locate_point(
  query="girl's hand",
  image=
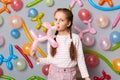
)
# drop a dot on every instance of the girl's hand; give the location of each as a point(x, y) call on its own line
point(87, 78)
point(34, 56)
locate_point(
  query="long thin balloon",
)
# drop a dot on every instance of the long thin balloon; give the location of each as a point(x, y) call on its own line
point(102, 57)
point(115, 47)
point(33, 3)
point(24, 55)
point(102, 8)
point(117, 19)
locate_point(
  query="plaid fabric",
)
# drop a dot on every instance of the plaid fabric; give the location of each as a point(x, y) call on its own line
point(56, 73)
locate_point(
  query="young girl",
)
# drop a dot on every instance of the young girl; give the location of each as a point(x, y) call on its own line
point(64, 59)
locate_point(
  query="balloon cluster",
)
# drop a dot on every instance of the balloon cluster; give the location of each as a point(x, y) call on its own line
point(103, 77)
point(85, 16)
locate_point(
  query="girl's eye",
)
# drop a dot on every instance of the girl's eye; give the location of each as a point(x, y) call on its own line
point(61, 20)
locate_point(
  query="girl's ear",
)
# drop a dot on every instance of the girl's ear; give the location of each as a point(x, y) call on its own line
point(69, 23)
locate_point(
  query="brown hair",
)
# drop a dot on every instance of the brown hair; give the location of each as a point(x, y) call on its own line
point(72, 47)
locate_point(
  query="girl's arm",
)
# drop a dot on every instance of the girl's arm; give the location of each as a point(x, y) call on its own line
point(80, 59)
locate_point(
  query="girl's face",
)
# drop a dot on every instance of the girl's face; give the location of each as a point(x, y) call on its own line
point(61, 21)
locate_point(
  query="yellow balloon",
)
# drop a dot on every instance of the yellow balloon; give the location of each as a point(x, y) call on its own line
point(26, 48)
point(116, 64)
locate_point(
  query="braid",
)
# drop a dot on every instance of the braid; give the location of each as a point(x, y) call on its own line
point(73, 53)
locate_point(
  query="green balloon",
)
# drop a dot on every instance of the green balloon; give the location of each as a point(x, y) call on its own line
point(49, 2)
point(1, 20)
point(20, 64)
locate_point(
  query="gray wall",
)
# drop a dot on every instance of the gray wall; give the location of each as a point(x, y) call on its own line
point(48, 17)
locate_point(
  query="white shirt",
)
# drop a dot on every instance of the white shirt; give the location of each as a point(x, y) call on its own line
point(62, 57)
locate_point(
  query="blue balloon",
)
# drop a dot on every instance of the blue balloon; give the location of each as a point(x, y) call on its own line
point(32, 12)
point(115, 37)
point(15, 33)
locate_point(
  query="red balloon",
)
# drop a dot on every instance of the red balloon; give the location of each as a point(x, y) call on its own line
point(45, 69)
point(91, 60)
point(1, 71)
point(16, 5)
point(84, 14)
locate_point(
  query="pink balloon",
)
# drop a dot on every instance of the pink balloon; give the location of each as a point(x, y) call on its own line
point(84, 14)
point(105, 43)
point(91, 60)
point(88, 39)
point(15, 21)
point(41, 38)
point(45, 69)
point(16, 4)
point(102, 21)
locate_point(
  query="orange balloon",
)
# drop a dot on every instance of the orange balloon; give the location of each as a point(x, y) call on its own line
point(116, 64)
point(26, 48)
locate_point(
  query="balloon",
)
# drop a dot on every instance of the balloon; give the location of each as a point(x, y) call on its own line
point(91, 60)
point(1, 71)
point(24, 55)
point(15, 33)
point(5, 2)
point(32, 12)
point(117, 19)
point(116, 64)
point(8, 60)
point(42, 38)
point(2, 41)
point(88, 39)
point(33, 3)
point(79, 2)
point(15, 21)
point(102, 21)
point(38, 18)
point(1, 20)
point(26, 48)
point(20, 64)
point(104, 76)
point(35, 78)
point(45, 69)
point(16, 4)
point(105, 43)
point(115, 37)
point(30, 38)
point(5, 77)
point(49, 2)
point(101, 2)
point(84, 14)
